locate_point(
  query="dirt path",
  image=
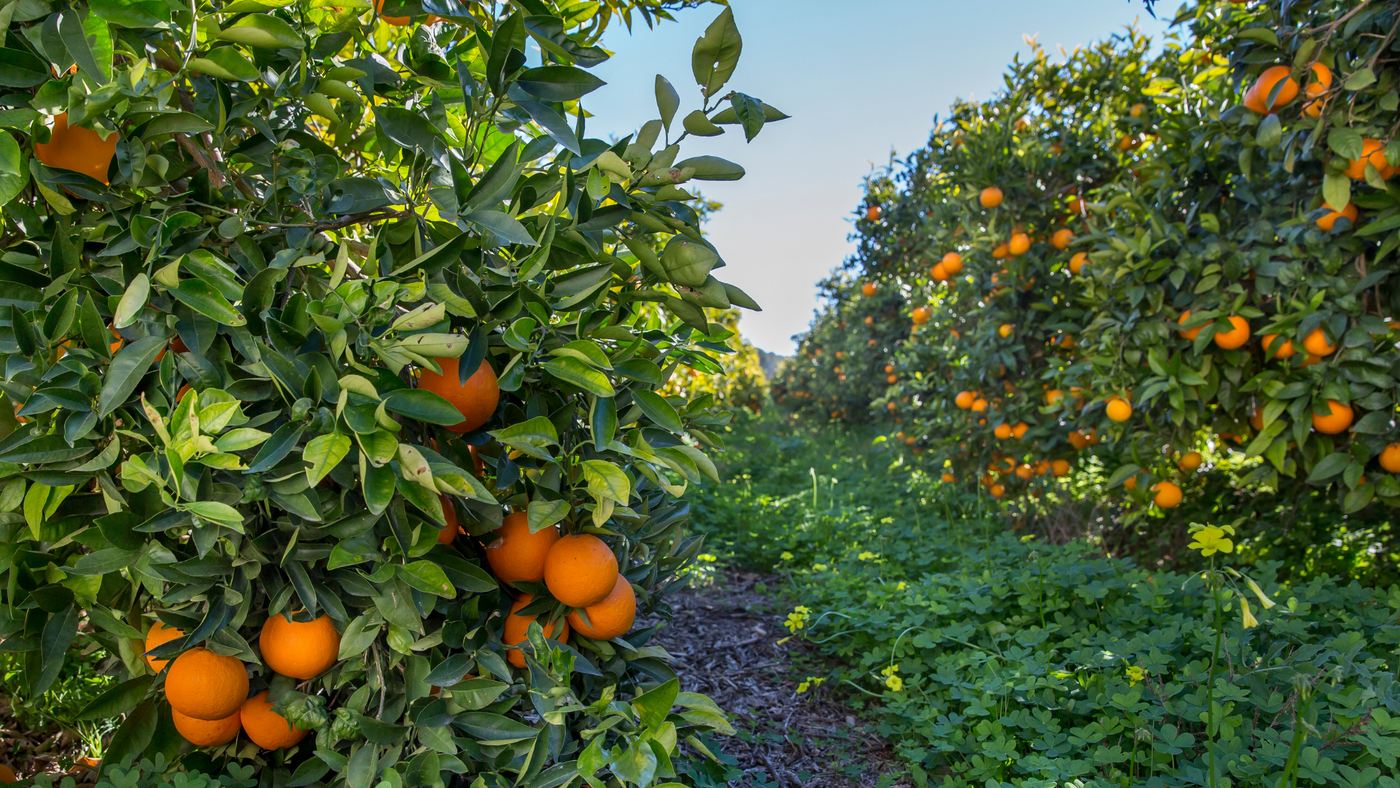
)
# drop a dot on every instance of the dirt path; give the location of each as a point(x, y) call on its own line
point(724, 644)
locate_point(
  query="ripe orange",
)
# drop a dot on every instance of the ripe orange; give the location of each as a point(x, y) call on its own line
point(1373, 153)
point(268, 729)
point(1316, 343)
point(77, 149)
point(160, 634)
point(990, 197)
point(7, 775)
point(1256, 419)
point(1168, 495)
point(1020, 244)
point(1189, 333)
point(1337, 419)
point(979, 405)
point(1322, 81)
point(1119, 410)
point(1326, 222)
point(207, 733)
point(580, 570)
point(1131, 484)
point(1189, 461)
point(1137, 110)
point(1281, 350)
point(449, 513)
point(964, 399)
point(1257, 98)
point(998, 491)
point(939, 273)
point(872, 213)
point(1077, 263)
point(1078, 440)
point(921, 316)
point(1000, 252)
point(611, 617)
point(1128, 142)
point(517, 555)
point(1019, 431)
point(952, 263)
point(301, 650)
point(1053, 397)
point(516, 628)
point(1005, 330)
point(1023, 471)
point(891, 379)
point(870, 321)
point(1236, 336)
point(205, 685)
point(396, 21)
point(889, 368)
point(1002, 431)
point(1062, 238)
point(476, 400)
point(948, 477)
point(1060, 467)
point(1390, 458)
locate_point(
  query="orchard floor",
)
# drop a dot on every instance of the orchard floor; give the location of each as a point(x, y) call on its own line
point(724, 641)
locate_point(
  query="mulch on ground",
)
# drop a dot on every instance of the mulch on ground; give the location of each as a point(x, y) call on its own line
point(724, 641)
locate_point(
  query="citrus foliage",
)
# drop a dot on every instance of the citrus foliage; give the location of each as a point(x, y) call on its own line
point(739, 383)
point(993, 658)
point(1155, 220)
point(298, 299)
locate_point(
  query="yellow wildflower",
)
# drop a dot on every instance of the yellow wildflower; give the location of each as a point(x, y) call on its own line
point(797, 619)
point(818, 567)
point(1259, 592)
point(866, 556)
point(786, 556)
point(1135, 674)
point(1249, 620)
point(899, 587)
point(1211, 540)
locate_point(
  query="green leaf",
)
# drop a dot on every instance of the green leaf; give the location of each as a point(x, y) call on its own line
point(1360, 78)
point(89, 43)
point(324, 452)
point(125, 373)
point(226, 63)
point(503, 226)
point(428, 578)
point(116, 701)
point(132, 301)
point(407, 129)
point(131, 13)
point(696, 123)
point(262, 30)
point(1336, 190)
point(653, 705)
point(19, 69)
point(14, 176)
point(203, 298)
point(532, 437)
point(1345, 142)
point(176, 123)
point(360, 634)
point(712, 168)
point(422, 405)
point(1329, 466)
point(750, 113)
point(1376, 422)
point(278, 446)
point(658, 410)
point(57, 636)
point(667, 100)
point(216, 512)
point(558, 83)
point(543, 514)
point(606, 481)
point(493, 729)
point(575, 372)
point(716, 53)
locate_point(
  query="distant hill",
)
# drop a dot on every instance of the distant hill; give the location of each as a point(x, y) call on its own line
point(769, 362)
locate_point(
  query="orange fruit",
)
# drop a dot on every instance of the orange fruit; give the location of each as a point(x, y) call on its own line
point(891, 379)
point(952, 263)
point(205, 685)
point(979, 405)
point(517, 555)
point(1023, 471)
point(1326, 222)
point(476, 400)
point(1189, 461)
point(207, 733)
point(610, 618)
point(921, 316)
point(1020, 244)
point(868, 288)
point(1078, 440)
point(1076, 205)
point(1256, 419)
point(1077, 263)
point(1128, 142)
point(1000, 252)
point(1373, 153)
point(160, 634)
point(1053, 397)
point(1019, 431)
point(1189, 333)
point(939, 273)
point(268, 729)
point(516, 628)
point(964, 399)
point(990, 197)
point(449, 513)
point(1006, 330)
point(1280, 350)
point(1236, 336)
point(1322, 76)
point(1131, 483)
point(1312, 359)
point(889, 368)
point(1002, 431)
point(301, 650)
point(1316, 343)
point(1062, 238)
point(77, 149)
point(998, 491)
point(870, 321)
point(396, 21)
point(947, 477)
point(1390, 458)
point(7, 775)
point(1060, 467)
point(1119, 410)
point(1257, 98)
point(872, 213)
point(1168, 495)
point(580, 570)
point(1337, 418)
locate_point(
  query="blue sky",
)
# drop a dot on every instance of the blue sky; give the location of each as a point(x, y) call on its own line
point(862, 79)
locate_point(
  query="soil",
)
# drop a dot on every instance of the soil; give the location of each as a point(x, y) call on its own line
point(724, 641)
point(30, 752)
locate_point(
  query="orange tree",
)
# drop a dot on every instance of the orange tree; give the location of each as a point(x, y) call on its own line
point(333, 343)
point(1177, 211)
